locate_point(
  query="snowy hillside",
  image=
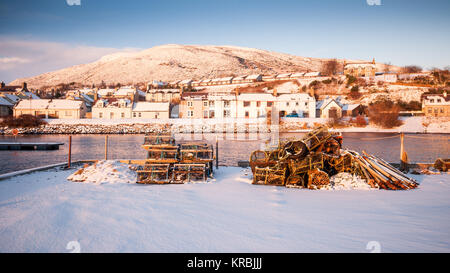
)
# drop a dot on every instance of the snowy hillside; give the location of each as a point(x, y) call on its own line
point(176, 62)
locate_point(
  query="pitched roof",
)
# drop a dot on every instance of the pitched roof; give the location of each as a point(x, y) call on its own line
point(3, 101)
point(49, 104)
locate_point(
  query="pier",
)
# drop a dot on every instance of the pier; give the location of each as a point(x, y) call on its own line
point(30, 145)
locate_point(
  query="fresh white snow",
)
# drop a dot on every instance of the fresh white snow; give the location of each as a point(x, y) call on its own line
point(43, 212)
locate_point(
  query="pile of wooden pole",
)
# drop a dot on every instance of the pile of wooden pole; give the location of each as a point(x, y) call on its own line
point(380, 174)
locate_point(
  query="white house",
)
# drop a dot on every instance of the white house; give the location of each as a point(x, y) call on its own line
point(112, 109)
point(53, 108)
point(328, 108)
point(154, 110)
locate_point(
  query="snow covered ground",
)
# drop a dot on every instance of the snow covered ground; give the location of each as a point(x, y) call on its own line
point(43, 212)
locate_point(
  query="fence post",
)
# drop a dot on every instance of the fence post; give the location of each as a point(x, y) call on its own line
point(217, 152)
point(70, 152)
point(106, 147)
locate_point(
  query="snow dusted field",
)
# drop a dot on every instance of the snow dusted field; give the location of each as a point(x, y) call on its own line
point(43, 212)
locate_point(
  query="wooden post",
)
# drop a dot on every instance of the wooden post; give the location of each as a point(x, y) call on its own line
point(403, 154)
point(70, 152)
point(217, 153)
point(106, 147)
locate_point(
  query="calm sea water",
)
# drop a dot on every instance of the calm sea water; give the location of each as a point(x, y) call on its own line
point(234, 147)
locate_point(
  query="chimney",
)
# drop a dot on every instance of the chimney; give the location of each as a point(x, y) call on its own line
point(373, 61)
point(275, 92)
point(3, 84)
point(95, 95)
point(445, 94)
point(24, 86)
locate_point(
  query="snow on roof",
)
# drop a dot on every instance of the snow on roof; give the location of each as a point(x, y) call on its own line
point(49, 104)
point(253, 77)
point(125, 91)
point(12, 98)
point(239, 78)
point(349, 107)
point(5, 102)
point(362, 65)
point(256, 97)
point(150, 106)
point(285, 75)
point(186, 81)
point(312, 74)
point(205, 80)
point(296, 96)
point(300, 74)
point(105, 92)
point(87, 98)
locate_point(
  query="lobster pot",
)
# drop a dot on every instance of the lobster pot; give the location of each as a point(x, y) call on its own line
point(159, 140)
point(344, 163)
point(189, 172)
point(154, 174)
point(163, 155)
point(312, 161)
point(269, 176)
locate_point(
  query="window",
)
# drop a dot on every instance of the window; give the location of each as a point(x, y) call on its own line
point(435, 110)
point(205, 104)
point(258, 104)
point(190, 113)
point(226, 113)
point(100, 115)
point(431, 100)
point(211, 103)
point(306, 103)
point(438, 100)
point(269, 103)
point(122, 114)
point(226, 103)
point(287, 103)
point(211, 114)
point(429, 110)
point(189, 103)
point(246, 103)
point(442, 110)
point(296, 104)
point(205, 114)
point(68, 113)
point(140, 114)
point(134, 114)
point(246, 114)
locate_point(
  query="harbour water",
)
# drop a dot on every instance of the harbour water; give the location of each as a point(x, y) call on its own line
point(232, 147)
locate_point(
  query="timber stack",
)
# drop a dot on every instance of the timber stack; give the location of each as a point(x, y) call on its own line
point(311, 161)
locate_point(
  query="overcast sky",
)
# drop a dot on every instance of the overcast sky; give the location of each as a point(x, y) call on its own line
point(46, 35)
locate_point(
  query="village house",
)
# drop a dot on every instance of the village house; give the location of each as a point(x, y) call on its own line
point(81, 96)
point(185, 83)
point(360, 69)
point(5, 107)
point(51, 108)
point(352, 110)
point(162, 95)
point(112, 108)
point(328, 108)
point(194, 105)
point(436, 105)
point(150, 110)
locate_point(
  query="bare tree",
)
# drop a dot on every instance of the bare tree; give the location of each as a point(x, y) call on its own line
point(330, 67)
point(387, 67)
point(411, 69)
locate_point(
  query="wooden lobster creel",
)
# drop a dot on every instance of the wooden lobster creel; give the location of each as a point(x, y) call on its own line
point(196, 152)
point(159, 141)
point(189, 172)
point(162, 155)
point(274, 176)
point(154, 174)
